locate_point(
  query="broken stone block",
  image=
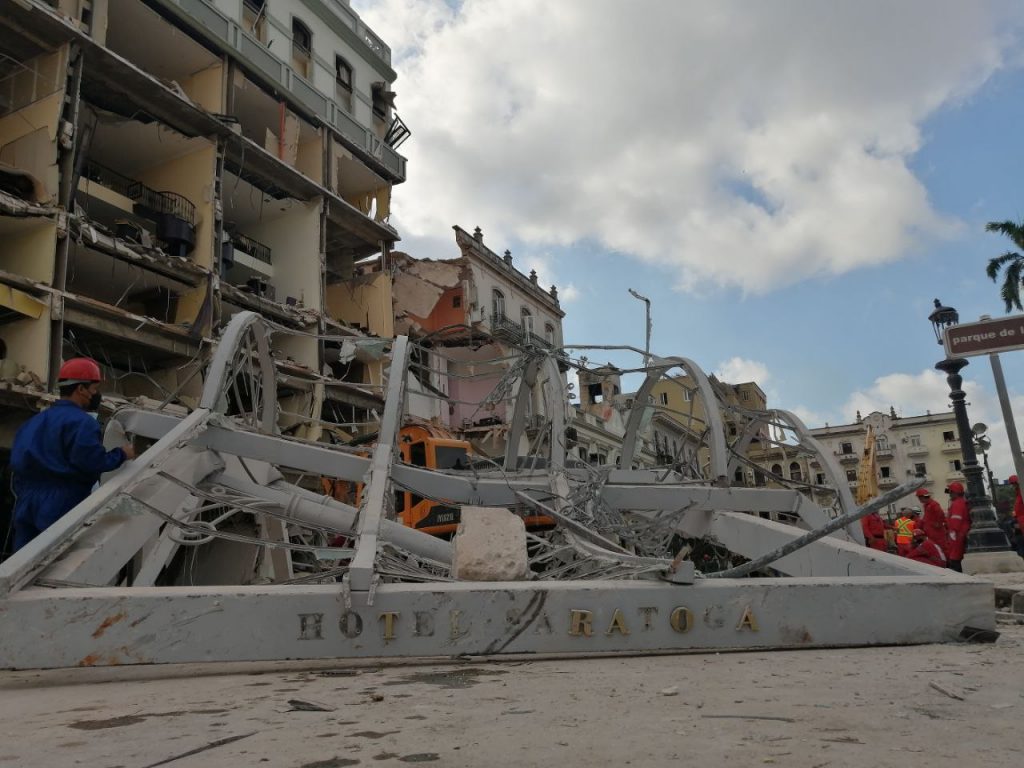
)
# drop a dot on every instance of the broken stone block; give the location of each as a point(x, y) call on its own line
point(489, 545)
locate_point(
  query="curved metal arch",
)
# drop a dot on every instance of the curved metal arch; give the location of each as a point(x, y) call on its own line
point(215, 390)
point(555, 393)
point(658, 369)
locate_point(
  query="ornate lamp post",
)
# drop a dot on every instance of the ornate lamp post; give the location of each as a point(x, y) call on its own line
point(985, 534)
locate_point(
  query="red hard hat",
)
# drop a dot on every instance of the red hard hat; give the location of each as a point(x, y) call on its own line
point(1013, 479)
point(955, 487)
point(80, 369)
point(921, 493)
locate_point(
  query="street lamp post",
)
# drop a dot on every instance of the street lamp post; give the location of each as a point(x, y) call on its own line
point(647, 315)
point(985, 534)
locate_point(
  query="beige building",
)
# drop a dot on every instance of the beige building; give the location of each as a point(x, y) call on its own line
point(165, 165)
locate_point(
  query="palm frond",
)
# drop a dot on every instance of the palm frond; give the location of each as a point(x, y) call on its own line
point(995, 265)
point(1011, 286)
point(1011, 229)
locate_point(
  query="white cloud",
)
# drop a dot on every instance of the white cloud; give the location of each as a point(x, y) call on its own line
point(737, 370)
point(740, 144)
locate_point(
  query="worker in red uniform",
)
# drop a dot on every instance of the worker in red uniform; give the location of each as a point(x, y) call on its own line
point(933, 519)
point(927, 551)
point(874, 531)
point(1018, 503)
point(958, 521)
point(904, 527)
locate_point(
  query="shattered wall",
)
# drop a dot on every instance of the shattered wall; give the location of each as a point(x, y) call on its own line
point(428, 295)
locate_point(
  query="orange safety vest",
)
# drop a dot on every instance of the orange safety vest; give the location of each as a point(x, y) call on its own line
point(904, 530)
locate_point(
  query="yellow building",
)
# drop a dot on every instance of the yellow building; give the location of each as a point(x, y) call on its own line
point(166, 165)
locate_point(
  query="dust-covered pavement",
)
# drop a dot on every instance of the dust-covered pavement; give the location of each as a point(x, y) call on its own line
point(855, 707)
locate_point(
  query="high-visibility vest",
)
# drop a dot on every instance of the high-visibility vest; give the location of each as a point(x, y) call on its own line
point(904, 530)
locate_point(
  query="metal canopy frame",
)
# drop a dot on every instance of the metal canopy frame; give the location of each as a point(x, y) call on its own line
point(84, 592)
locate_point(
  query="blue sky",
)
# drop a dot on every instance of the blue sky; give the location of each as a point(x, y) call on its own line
point(790, 183)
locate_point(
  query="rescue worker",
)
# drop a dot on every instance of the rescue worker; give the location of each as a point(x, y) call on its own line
point(958, 521)
point(58, 455)
point(927, 551)
point(904, 526)
point(1018, 503)
point(1014, 527)
point(874, 531)
point(933, 518)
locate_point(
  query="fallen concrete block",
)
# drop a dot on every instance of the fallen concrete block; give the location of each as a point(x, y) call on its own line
point(489, 545)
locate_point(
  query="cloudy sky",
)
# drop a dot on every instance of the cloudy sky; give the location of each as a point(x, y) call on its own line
point(791, 183)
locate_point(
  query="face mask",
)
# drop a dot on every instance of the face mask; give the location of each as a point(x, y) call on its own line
point(94, 402)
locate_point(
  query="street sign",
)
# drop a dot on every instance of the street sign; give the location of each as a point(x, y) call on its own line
point(985, 337)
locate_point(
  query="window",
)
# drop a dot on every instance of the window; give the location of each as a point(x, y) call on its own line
point(915, 441)
point(851, 475)
point(738, 477)
point(456, 302)
point(846, 448)
point(777, 469)
point(596, 392)
point(886, 472)
point(302, 49)
point(758, 478)
point(949, 437)
point(920, 469)
point(343, 82)
point(745, 395)
point(882, 443)
point(254, 18)
point(732, 430)
point(526, 320)
point(663, 398)
point(687, 395)
point(955, 466)
point(819, 479)
point(497, 304)
point(794, 471)
point(549, 333)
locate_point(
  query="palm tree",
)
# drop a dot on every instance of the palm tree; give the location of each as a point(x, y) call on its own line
point(1010, 263)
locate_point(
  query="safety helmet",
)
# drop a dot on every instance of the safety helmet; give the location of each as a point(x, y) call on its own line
point(80, 370)
point(956, 487)
point(922, 493)
point(1013, 479)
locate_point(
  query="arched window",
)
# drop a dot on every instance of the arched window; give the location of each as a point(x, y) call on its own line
point(777, 469)
point(794, 471)
point(758, 478)
point(549, 333)
point(526, 320)
point(302, 48)
point(343, 82)
point(497, 304)
point(738, 477)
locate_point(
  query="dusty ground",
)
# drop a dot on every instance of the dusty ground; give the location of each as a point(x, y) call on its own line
point(859, 707)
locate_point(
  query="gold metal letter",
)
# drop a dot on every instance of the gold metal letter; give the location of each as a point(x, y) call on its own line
point(747, 620)
point(618, 623)
point(580, 623)
point(681, 619)
point(456, 631)
point(389, 618)
point(648, 612)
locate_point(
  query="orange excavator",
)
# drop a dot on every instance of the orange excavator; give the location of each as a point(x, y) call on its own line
point(423, 444)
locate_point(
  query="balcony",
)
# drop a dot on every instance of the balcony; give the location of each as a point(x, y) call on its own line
point(173, 214)
point(504, 327)
point(887, 482)
point(885, 453)
point(847, 458)
point(253, 248)
point(917, 450)
point(951, 447)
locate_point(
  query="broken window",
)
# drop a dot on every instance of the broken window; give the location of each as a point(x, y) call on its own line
point(794, 471)
point(254, 18)
point(343, 82)
point(302, 48)
point(497, 304)
point(596, 392)
point(949, 437)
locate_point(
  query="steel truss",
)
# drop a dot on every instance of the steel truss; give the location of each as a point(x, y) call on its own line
point(615, 575)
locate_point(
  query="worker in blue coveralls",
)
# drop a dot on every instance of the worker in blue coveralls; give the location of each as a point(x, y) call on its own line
point(58, 455)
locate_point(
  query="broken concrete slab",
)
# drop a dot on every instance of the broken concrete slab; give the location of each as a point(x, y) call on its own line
point(490, 545)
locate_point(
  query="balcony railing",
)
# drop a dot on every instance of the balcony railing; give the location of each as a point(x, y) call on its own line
point(917, 450)
point(151, 202)
point(504, 327)
point(254, 248)
point(887, 482)
point(950, 446)
point(884, 453)
point(847, 458)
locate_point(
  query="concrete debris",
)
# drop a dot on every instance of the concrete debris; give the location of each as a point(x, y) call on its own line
point(945, 691)
point(490, 545)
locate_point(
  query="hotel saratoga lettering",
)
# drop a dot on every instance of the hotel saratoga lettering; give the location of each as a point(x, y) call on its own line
point(457, 625)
